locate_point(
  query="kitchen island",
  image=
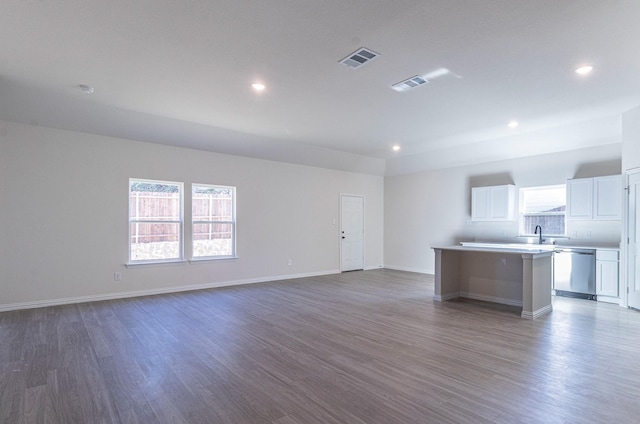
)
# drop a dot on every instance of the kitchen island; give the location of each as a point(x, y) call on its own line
point(518, 276)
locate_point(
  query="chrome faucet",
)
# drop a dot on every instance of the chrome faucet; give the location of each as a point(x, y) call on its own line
point(539, 233)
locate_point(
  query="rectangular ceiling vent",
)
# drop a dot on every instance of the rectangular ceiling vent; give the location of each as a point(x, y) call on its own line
point(359, 58)
point(410, 83)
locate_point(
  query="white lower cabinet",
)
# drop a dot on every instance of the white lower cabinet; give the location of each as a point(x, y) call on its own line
point(607, 274)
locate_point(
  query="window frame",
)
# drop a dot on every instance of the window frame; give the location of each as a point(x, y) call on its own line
point(522, 213)
point(180, 222)
point(232, 223)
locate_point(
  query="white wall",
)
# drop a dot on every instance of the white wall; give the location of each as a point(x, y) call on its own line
point(432, 208)
point(631, 139)
point(65, 203)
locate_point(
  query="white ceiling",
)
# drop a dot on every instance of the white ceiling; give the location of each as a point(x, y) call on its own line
point(179, 72)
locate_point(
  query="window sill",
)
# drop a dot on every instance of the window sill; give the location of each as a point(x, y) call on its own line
point(154, 263)
point(212, 259)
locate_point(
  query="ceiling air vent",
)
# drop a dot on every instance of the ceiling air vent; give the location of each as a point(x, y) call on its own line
point(410, 83)
point(359, 58)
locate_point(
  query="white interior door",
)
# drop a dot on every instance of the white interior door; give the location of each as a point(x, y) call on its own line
point(633, 233)
point(351, 233)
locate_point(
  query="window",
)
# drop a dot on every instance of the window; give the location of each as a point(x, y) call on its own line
point(155, 221)
point(544, 206)
point(214, 226)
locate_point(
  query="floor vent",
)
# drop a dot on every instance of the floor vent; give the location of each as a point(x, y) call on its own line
point(359, 58)
point(410, 83)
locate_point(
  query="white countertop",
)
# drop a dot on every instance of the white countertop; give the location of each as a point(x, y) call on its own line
point(496, 248)
point(532, 246)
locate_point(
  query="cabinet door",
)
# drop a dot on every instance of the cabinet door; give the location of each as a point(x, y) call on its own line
point(580, 198)
point(480, 203)
point(494, 203)
point(607, 196)
point(607, 278)
point(500, 203)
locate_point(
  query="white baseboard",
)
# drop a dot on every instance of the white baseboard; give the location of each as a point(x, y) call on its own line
point(502, 300)
point(536, 314)
point(408, 269)
point(448, 296)
point(370, 268)
point(151, 292)
point(609, 299)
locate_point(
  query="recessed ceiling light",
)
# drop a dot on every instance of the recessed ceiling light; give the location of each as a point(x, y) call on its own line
point(258, 86)
point(513, 124)
point(395, 148)
point(86, 88)
point(585, 69)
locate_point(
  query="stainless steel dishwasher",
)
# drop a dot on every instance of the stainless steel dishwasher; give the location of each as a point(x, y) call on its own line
point(574, 272)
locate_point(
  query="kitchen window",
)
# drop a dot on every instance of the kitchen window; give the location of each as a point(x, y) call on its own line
point(544, 206)
point(214, 221)
point(155, 221)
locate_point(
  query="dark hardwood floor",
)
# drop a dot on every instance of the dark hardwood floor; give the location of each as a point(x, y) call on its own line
point(360, 347)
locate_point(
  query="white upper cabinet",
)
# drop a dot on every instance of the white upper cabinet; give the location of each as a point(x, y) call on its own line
point(494, 203)
point(480, 209)
point(580, 198)
point(597, 198)
point(607, 196)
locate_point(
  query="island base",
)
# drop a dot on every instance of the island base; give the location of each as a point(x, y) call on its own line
point(511, 277)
